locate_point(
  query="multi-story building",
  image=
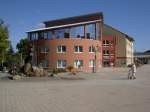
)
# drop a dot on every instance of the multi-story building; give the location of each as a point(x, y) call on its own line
point(74, 41)
point(82, 41)
point(117, 47)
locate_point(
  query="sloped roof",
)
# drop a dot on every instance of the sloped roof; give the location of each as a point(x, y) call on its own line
point(107, 28)
point(75, 19)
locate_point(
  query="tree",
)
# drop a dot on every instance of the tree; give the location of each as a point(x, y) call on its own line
point(11, 50)
point(22, 47)
point(4, 40)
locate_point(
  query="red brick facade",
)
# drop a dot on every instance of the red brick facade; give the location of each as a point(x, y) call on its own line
point(70, 56)
point(108, 48)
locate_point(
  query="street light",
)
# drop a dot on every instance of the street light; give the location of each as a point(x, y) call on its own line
point(96, 50)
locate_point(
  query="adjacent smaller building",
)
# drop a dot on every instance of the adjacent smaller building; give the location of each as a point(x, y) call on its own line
point(143, 57)
point(117, 47)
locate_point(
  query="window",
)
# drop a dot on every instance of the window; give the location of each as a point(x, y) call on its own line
point(92, 63)
point(44, 49)
point(77, 32)
point(90, 31)
point(61, 49)
point(59, 33)
point(78, 49)
point(98, 31)
point(61, 63)
point(78, 63)
point(49, 35)
point(91, 49)
point(33, 36)
point(62, 33)
point(45, 35)
point(105, 42)
point(44, 63)
point(106, 52)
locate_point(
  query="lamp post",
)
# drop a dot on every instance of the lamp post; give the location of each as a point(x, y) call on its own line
point(96, 50)
point(2, 58)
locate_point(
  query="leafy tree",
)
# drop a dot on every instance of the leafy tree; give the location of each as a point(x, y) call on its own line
point(4, 39)
point(11, 50)
point(10, 56)
point(22, 47)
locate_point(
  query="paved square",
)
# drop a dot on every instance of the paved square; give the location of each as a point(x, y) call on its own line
point(106, 91)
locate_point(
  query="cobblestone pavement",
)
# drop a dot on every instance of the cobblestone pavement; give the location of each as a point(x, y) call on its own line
point(106, 91)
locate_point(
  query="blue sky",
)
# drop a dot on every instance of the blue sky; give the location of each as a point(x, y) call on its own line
point(129, 16)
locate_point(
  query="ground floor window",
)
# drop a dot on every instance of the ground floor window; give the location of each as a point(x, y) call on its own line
point(44, 63)
point(78, 63)
point(106, 63)
point(61, 63)
point(91, 63)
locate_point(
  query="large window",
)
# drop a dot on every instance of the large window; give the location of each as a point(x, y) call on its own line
point(61, 63)
point(61, 49)
point(59, 33)
point(77, 32)
point(90, 31)
point(33, 36)
point(45, 35)
point(49, 35)
point(78, 49)
point(62, 33)
point(78, 63)
point(41, 35)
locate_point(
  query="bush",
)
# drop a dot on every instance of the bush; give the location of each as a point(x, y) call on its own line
point(57, 70)
point(60, 70)
point(70, 68)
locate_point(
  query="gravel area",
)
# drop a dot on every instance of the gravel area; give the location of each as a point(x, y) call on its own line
point(105, 91)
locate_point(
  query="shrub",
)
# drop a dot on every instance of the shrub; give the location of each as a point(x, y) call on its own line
point(57, 70)
point(70, 68)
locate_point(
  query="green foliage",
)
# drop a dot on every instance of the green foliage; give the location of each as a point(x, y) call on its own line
point(11, 50)
point(22, 47)
point(4, 39)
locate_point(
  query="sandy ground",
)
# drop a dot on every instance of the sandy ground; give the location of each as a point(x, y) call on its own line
point(105, 91)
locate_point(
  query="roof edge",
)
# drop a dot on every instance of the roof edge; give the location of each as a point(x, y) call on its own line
point(90, 14)
point(127, 36)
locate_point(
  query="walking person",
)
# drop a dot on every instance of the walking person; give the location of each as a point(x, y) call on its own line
point(132, 72)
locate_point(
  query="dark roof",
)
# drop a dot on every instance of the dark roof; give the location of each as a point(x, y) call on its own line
point(148, 51)
point(128, 37)
point(142, 53)
point(75, 19)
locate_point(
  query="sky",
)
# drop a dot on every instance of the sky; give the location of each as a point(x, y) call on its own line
point(129, 16)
